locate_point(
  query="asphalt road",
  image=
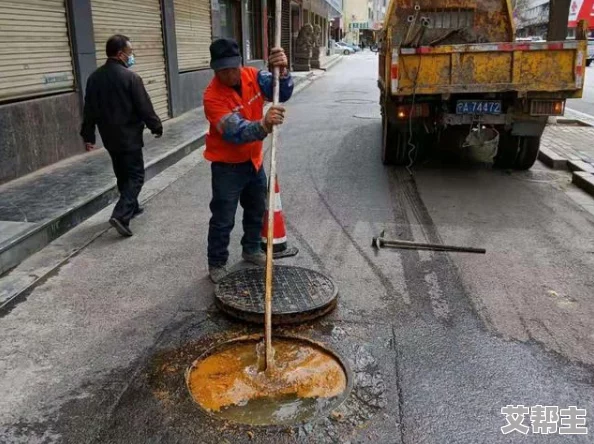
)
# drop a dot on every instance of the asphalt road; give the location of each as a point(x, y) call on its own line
point(438, 343)
point(586, 103)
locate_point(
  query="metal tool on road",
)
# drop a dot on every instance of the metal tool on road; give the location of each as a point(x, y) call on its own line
point(381, 242)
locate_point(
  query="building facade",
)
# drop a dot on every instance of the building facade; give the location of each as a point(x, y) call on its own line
point(49, 48)
point(362, 18)
point(531, 18)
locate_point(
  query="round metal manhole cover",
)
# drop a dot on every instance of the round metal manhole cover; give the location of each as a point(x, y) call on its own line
point(299, 295)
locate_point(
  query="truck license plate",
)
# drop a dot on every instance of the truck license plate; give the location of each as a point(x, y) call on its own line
point(478, 107)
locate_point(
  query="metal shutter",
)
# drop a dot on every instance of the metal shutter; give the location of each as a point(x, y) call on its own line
point(193, 32)
point(35, 57)
point(286, 28)
point(140, 21)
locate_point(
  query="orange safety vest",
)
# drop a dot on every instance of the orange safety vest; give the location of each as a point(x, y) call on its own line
point(220, 101)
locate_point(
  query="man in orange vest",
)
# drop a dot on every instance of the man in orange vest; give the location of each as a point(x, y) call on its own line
point(234, 104)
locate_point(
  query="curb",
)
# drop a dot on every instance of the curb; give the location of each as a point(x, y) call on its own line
point(332, 62)
point(585, 181)
point(552, 159)
point(32, 241)
point(580, 165)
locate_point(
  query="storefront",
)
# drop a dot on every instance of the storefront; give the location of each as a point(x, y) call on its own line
point(143, 25)
point(35, 54)
point(193, 32)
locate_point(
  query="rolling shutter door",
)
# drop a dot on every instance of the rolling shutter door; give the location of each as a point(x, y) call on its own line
point(35, 57)
point(140, 21)
point(193, 33)
point(286, 28)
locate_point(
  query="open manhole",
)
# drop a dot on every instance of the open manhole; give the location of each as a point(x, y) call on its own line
point(299, 295)
point(308, 381)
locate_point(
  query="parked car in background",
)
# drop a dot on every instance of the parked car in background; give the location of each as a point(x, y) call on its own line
point(342, 49)
point(354, 47)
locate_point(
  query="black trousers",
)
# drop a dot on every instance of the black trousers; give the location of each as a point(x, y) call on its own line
point(128, 167)
point(234, 184)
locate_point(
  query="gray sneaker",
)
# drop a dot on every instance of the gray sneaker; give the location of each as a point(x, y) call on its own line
point(217, 274)
point(258, 258)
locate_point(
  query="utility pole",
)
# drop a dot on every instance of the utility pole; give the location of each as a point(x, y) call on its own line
point(558, 18)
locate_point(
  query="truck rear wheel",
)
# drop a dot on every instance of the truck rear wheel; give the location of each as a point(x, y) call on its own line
point(527, 153)
point(517, 152)
point(394, 144)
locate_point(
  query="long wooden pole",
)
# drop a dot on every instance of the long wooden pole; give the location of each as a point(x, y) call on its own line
point(271, 198)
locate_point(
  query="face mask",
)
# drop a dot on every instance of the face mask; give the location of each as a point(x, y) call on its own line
point(131, 61)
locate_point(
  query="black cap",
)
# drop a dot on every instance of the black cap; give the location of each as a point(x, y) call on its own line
point(224, 54)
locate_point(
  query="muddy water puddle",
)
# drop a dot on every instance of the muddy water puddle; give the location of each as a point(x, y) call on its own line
point(305, 382)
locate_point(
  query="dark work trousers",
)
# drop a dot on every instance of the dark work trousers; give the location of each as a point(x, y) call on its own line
point(232, 184)
point(128, 167)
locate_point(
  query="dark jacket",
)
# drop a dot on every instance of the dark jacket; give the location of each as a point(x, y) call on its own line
point(117, 102)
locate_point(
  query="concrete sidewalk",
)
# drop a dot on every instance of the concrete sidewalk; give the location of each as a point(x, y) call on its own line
point(568, 145)
point(39, 208)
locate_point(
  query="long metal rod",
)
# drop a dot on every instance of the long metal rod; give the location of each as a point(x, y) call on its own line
point(271, 199)
point(435, 247)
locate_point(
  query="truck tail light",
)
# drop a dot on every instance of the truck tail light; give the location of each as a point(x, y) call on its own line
point(547, 107)
point(412, 111)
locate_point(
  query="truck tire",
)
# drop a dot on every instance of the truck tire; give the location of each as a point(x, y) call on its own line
point(588, 62)
point(394, 144)
point(517, 152)
point(507, 151)
point(527, 153)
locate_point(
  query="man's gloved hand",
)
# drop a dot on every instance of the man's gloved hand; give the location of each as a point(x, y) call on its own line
point(274, 116)
point(278, 58)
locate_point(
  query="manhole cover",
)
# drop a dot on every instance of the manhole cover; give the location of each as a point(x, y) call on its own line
point(355, 101)
point(299, 295)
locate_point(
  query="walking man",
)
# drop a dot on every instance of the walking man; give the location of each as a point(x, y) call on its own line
point(234, 104)
point(118, 104)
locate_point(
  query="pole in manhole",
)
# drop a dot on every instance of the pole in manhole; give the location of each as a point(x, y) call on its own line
point(271, 197)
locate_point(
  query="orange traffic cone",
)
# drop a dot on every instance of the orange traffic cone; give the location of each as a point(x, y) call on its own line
point(280, 247)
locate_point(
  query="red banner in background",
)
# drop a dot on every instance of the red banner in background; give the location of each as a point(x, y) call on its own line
point(581, 10)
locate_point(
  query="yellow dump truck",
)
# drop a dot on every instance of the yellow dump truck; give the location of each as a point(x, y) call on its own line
point(450, 69)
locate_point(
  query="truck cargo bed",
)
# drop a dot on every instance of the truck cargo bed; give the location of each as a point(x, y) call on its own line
point(490, 68)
